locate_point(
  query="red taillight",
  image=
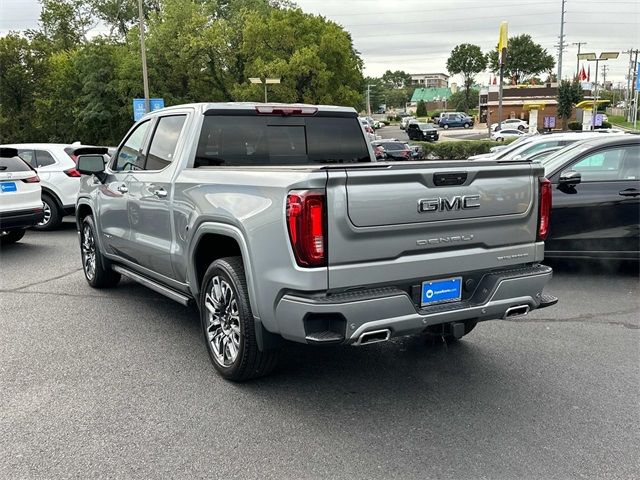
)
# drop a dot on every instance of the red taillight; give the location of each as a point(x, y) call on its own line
point(34, 179)
point(544, 208)
point(72, 172)
point(306, 225)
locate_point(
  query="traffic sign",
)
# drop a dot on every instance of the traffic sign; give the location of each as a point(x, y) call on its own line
point(139, 108)
point(638, 77)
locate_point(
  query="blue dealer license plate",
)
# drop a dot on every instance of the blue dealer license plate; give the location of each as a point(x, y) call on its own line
point(441, 291)
point(8, 187)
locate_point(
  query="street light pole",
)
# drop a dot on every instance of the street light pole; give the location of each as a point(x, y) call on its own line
point(591, 57)
point(267, 81)
point(145, 78)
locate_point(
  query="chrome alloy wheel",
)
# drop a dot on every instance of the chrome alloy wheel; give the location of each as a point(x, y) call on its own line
point(88, 252)
point(47, 214)
point(223, 321)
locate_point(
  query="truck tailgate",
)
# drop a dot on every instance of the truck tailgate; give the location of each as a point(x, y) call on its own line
point(391, 222)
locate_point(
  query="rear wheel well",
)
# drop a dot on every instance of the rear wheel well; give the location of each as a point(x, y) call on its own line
point(211, 247)
point(46, 191)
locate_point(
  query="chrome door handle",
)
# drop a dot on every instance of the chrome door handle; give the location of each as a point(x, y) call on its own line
point(160, 193)
point(629, 192)
point(123, 188)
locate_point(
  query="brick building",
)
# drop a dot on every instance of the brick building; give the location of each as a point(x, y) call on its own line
point(514, 98)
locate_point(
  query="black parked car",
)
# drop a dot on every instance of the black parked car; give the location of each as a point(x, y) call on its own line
point(422, 131)
point(596, 199)
point(391, 150)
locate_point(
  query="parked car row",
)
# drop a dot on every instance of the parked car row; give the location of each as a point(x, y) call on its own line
point(59, 179)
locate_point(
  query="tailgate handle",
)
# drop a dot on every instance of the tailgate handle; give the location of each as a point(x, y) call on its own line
point(447, 179)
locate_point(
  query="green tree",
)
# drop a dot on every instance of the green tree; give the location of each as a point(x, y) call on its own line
point(65, 23)
point(461, 103)
point(421, 110)
point(17, 84)
point(525, 59)
point(397, 79)
point(466, 60)
point(314, 58)
point(569, 94)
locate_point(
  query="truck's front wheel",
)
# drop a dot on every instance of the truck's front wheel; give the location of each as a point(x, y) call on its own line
point(228, 324)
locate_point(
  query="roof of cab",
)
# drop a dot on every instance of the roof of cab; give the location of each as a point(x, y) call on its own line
point(203, 107)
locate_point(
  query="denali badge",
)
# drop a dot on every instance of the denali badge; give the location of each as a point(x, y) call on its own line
point(459, 202)
point(441, 240)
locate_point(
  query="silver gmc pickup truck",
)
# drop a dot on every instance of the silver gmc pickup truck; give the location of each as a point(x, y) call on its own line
point(276, 221)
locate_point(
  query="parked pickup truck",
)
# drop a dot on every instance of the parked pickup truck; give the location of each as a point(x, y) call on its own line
point(276, 221)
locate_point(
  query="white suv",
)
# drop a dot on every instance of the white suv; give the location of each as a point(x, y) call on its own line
point(56, 167)
point(20, 203)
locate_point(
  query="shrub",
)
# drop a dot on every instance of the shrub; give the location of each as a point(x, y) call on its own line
point(456, 150)
point(574, 126)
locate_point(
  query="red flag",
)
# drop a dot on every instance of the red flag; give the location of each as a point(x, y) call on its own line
point(494, 80)
point(583, 75)
point(588, 73)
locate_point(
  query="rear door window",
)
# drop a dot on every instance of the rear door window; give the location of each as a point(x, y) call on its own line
point(266, 140)
point(44, 158)
point(28, 156)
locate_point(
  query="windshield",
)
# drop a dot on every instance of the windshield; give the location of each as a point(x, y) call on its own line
point(426, 126)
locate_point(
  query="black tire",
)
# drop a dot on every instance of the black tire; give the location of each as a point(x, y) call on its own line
point(249, 362)
point(499, 139)
point(100, 275)
point(12, 236)
point(438, 333)
point(521, 127)
point(53, 214)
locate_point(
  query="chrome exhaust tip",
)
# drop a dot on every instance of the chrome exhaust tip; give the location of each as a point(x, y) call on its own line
point(374, 336)
point(516, 311)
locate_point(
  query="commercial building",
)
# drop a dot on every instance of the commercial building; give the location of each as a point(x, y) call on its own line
point(430, 80)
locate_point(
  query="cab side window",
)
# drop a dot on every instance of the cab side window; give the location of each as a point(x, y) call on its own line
point(130, 156)
point(163, 144)
point(617, 163)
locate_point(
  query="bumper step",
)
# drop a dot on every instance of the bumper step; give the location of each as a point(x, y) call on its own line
point(547, 301)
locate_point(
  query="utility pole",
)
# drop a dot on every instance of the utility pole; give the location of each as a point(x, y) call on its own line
point(631, 71)
point(605, 68)
point(561, 44)
point(145, 78)
point(634, 72)
point(579, 44)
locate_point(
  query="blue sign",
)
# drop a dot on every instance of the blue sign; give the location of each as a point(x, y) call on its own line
point(638, 78)
point(437, 291)
point(139, 108)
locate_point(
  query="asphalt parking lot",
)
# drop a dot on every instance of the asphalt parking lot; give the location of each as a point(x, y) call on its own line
point(117, 383)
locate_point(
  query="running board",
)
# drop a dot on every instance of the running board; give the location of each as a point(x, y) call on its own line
point(156, 287)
